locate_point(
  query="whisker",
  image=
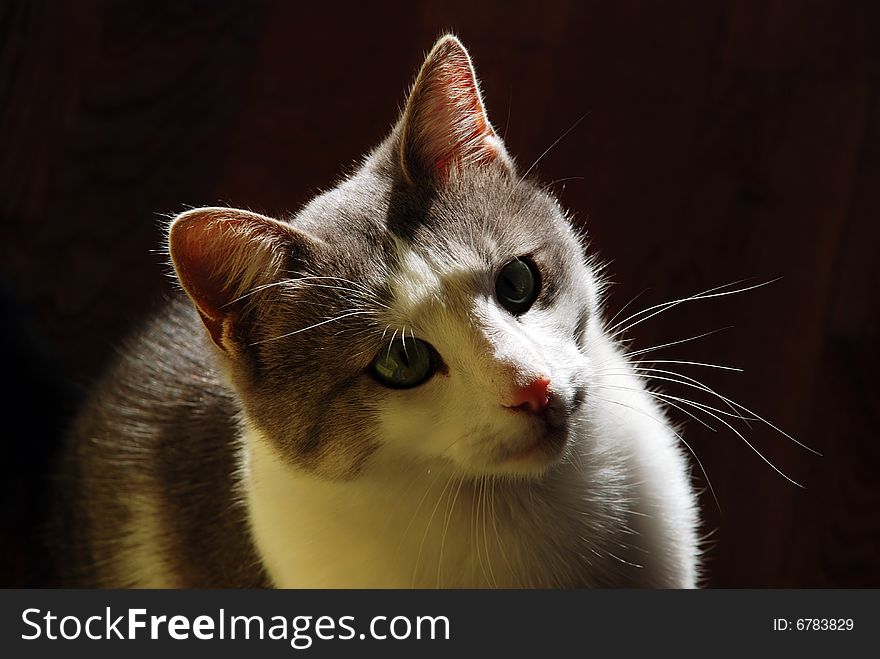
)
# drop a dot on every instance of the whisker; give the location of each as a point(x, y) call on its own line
point(416, 513)
point(549, 185)
point(415, 478)
point(390, 343)
point(643, 351)
point(688, 381)
point(693, 384)
point(253, 291)
point(345, 289)
point(708, 409)
point(711, 411)
point(733, 403)
point(507, 121)
point(304, 276)
point(428, 529)
point(541, 157)
point(357, 287)
point(671, 302)
point(666, 398)
point(671, 404)
point(313, 326)
point(500, 544)
point(740, 435)
point(665, 306)
point(475, 528)
point(450, 512)
point(679, 361)
point(680, 438)
point(552, 146)
point(623, 308)
point(483, 502)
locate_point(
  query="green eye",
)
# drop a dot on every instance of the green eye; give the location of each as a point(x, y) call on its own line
point(518, 285)
point(404, 364)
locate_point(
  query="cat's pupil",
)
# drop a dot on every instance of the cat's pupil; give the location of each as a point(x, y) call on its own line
point(404, 364)
point(517, 286)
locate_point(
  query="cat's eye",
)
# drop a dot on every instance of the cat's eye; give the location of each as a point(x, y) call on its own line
point(405, 363)
point(518, 285)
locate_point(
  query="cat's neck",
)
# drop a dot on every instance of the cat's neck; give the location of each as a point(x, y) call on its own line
point(421, 527)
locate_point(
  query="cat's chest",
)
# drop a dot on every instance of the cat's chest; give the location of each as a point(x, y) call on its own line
point(433, 531)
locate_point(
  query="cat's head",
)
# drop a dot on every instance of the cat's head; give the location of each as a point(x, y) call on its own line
point(434, 306)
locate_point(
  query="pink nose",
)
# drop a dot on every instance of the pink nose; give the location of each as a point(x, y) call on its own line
point(533, 396)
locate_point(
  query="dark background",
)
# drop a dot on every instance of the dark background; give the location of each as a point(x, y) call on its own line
point(723, 141)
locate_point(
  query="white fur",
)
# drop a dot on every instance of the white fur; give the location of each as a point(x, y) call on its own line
point(616, 509)
point(400, 526)
point(140, 561)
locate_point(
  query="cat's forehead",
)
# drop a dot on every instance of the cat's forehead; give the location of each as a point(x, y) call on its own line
point(422, 278)
point(418, 251)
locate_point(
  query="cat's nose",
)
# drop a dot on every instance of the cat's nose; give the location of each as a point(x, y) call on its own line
point(534, 397)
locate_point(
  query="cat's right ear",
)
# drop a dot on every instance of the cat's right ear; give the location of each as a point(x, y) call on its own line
point(444, 126)
point(221, 255)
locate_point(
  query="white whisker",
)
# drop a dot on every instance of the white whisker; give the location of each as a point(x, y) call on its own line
point(305, 329)
point(428, 530)
point(390, 343)
point(706, 409)
point(665, 306)
point(448, 518)
point(679, 361)
point(610, 323)
point(693, 384)
point(671, 404)
point(680, 438)
point(643, 351)
point(733, 403)
point(541, 157)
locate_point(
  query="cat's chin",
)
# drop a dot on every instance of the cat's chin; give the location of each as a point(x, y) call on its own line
point(532, 458)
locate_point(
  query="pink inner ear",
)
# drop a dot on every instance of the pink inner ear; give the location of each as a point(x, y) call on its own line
point(193, 251)
point(203, 247)
point(461, 112)
point(220, 253)
point(445, 121)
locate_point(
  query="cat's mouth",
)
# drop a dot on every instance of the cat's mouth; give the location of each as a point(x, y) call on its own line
point(544, 445)
point(536, 455)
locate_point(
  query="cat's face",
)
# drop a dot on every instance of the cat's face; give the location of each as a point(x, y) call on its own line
point(493, 281)
point(434, 306)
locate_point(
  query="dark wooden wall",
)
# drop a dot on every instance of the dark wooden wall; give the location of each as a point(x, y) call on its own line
point(724, 141)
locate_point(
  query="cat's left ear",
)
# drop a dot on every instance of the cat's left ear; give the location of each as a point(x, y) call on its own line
point(222, 256)
point(444, 125)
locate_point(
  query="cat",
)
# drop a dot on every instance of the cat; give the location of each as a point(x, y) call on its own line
point(409, 383)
